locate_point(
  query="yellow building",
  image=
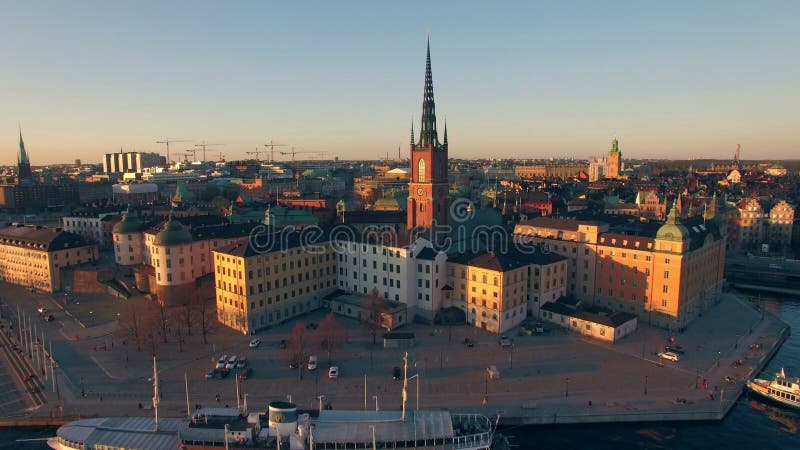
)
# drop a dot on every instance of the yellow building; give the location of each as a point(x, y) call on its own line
point(260, 287)
point(33, 256)
point(492, 288)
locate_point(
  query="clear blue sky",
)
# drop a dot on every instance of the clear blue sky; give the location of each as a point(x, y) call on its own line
point(524, 79)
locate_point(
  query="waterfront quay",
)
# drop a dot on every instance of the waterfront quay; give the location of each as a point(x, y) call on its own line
point(556, 377)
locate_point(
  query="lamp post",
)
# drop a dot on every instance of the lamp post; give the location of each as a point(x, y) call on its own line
point(320, 397)
point(719, 356)
point(416, 375)
point(376, 402)
point(566, 387)
point(645, 385)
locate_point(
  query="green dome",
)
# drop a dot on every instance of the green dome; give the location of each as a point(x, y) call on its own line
point(387, 202)
point(129, 224)
point(672, 230)
point(173, 233)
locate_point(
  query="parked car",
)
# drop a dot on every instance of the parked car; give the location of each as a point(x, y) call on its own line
point(231, 364)
point(333, 372)
point(293, 365)
point(49, 318)
point(397, 373)
point(245, 374)
point(505, 341)
point(255, 343)
point(210, 374)
point(241, 363)
point(469, 342)
point(42, 310)
point(674, 349)
point(221, 362)
point(670, 356)
point(312, 362)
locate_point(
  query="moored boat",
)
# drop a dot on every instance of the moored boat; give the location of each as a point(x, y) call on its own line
point(781, 389)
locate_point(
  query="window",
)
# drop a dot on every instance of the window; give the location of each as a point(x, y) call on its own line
point(665, 289)
point(421, 171)
point(666, 274)
point(664, 303)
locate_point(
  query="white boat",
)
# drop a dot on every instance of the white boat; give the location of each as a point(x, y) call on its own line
point(782, 389)
point(282, 426)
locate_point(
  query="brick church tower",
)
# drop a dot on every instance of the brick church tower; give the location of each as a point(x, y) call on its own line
point(428, 186)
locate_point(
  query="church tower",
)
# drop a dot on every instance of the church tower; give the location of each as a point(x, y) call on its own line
point(614, 160)
point(23, 164)
point(428, 186)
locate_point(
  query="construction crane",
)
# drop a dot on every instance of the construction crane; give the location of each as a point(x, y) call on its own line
point(203, 145)
point(256, 152)
point(294, 152)
point(187, 153)
point(271, 148)
point(167, 142)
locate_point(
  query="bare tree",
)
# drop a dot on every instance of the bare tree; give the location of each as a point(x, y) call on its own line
point(373, 307)
point(133, 323)
point(188, 312)
point(206, 317)
point(163, 321)
point(297, 348)
point(331, 335)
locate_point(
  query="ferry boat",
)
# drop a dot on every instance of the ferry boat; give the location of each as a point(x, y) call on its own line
point(781, 389)
point(281, 427)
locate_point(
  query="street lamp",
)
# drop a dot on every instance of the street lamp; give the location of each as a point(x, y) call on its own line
point(416, 375)
point(320, 397)
point(645, 385)
point(376, 402)
point(566, 387)
point(719, 356)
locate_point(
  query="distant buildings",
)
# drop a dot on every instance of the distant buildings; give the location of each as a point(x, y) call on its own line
point(34, 256)
point(757, 230)
point(94, 225)
point(127, 162)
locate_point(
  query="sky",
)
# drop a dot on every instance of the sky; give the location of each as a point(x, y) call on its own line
point(528, 79)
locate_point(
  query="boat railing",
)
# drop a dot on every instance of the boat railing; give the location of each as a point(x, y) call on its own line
point(471, 430)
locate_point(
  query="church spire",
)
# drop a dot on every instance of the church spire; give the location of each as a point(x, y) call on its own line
point(428, 135)
point(23, 163)
point(412, 132)
point(445, 135)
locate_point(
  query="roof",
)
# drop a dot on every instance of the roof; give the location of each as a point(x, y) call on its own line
point(40, 238)
point(557, 223)
point(130, 223)
point(123, 432)
point(339, 426)
point(174, 233)
point(427, 253)
point(613, 319)
point(510, 260)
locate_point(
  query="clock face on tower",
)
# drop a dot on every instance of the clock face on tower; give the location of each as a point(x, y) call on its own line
point(420, 191)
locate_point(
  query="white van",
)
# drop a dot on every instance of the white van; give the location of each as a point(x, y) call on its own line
point(312, 362)
point(231, 363)
point(222, 361)
point(492, 372)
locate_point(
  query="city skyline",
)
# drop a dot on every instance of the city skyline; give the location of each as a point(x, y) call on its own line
point(537, 80)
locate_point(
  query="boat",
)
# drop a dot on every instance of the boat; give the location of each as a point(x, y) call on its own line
point(782, 389)
point(282, 427)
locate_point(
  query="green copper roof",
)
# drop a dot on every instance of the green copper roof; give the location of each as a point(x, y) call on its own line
point(130, 223)
point(673, 230)
point(174, 233)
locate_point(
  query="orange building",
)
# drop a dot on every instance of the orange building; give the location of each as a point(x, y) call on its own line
point(669, 277)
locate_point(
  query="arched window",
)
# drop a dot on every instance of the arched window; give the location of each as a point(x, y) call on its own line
point(421, 171)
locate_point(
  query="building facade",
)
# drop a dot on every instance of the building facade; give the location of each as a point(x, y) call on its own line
point(669, 277)
point(613, 161)
point(33, 256)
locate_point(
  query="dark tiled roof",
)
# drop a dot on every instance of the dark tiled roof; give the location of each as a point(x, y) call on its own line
point(40, 238)
point(561, 224)
point(614, 319)
point(427, 253)
point(502, 262)
point(627, 241)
